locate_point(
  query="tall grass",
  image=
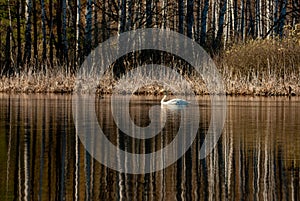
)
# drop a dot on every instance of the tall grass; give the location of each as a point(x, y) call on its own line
point(262, 67)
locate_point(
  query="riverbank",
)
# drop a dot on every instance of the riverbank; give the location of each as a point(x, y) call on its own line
point(259, 67)
point(235, 84)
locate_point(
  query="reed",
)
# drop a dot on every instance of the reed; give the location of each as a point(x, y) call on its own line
point(269, 67)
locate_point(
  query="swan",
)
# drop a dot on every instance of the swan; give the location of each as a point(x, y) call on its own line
point(175, 101)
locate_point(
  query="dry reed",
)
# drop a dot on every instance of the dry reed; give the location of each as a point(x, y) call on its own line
point(259, 67)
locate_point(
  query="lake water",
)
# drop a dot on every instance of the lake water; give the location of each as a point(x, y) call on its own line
point(257, 156)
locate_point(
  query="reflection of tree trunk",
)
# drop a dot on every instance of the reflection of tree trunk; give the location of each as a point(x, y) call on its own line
point(17, 169)
point(9, 146)
point(27, 177)
point(77, 161)
point(41, 166)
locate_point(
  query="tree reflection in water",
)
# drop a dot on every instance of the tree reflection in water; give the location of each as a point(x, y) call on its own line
point(256, 158)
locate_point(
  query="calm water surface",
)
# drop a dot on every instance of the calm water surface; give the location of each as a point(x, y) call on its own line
point(257, 156)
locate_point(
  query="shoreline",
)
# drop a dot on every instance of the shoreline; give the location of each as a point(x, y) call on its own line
point(239, 86)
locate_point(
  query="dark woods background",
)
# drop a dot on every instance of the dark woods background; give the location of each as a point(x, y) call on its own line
point(56, 35)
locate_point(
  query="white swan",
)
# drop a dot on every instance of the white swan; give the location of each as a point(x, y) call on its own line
point(175, 101)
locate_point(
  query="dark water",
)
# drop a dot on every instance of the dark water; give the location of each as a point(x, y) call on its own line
point(257, 156)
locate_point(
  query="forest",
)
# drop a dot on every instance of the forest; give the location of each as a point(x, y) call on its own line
point(254, 43)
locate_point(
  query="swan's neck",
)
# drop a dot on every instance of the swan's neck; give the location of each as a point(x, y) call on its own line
point(162, 100)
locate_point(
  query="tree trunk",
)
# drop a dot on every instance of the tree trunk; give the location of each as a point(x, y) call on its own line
point(275, 17)
point(165, 14)
point(257, 18)
point(148, 13)
point(282, 18)
point(51, 33)
point(235, 19)
point(19, 53)
point(203, 23)
point(35, 34)
point(64, 33)
point(96, 28)
point(243, 31)
point(78, 35)
point(27, 52)
point(190, 18)
point(7, 67)
point(223, 6)
point(122, 16)
point(198, 21)
point(44, 54)
point(128, 15)
point(59, 45)
point(137, 15)
point(251, 26)
point(180, 16)
point(88, 27)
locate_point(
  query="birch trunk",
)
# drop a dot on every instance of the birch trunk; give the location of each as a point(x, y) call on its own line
point(27, 52)
point(242, 26)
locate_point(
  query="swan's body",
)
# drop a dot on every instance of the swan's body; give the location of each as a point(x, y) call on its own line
point(175, 101)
